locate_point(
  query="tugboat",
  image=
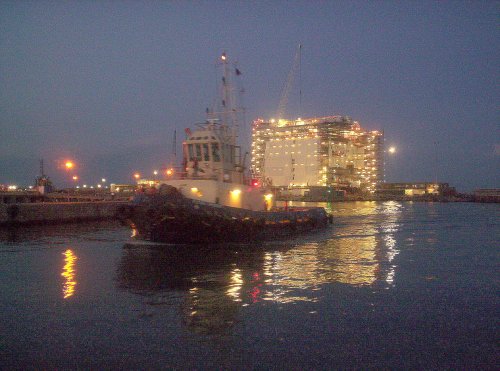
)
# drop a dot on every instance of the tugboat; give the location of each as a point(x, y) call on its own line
point(209, 199)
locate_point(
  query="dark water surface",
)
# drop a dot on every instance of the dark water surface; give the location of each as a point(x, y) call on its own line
point(389, 285)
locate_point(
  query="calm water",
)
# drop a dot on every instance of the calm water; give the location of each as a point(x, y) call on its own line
point(389, 285)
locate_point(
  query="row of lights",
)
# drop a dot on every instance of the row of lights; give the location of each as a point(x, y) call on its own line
point(99, 186)
point(168, 172)
point(70, 165)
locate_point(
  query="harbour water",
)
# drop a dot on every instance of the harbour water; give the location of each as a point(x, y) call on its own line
point(388, 285)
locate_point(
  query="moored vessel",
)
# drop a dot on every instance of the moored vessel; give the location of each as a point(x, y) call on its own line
point(209, 199)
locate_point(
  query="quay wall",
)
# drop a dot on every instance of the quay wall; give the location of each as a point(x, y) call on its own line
point(58, 212)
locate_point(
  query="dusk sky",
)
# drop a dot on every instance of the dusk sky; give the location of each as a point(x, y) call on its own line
point(106, 83)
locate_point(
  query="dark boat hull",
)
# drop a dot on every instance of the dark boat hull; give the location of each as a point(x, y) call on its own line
point(172, 218)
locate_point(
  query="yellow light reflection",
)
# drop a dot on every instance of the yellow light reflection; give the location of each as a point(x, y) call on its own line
point(234, 288)
point(134, 232)
point(391, 209)
point(68, 273)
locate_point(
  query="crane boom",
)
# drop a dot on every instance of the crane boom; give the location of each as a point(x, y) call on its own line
point(286, 89)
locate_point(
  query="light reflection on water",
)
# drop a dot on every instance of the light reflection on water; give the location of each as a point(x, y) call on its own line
point(215, 281)
point(388, 285)
point(69, 273)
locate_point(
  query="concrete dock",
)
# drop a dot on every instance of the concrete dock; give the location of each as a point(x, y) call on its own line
point(58, 212)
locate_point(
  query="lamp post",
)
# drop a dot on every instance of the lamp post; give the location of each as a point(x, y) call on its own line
point(69, 165)
point(75, 179)
point(391, 150)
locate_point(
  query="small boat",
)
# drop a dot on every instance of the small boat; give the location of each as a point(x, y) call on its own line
point(209, 199)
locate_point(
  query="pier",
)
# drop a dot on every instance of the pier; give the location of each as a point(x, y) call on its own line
point(23, 208)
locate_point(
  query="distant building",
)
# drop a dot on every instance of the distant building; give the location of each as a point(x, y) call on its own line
point(122, 188)
point(329, 151)
point(415, 189)
point(311, 193)
point(487, 195)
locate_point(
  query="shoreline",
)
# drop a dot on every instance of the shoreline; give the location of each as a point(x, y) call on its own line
point(15, 214)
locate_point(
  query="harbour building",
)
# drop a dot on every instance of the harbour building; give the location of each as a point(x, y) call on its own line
point(333, 152)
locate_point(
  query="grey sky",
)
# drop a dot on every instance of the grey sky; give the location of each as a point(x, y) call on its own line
point(106, 83)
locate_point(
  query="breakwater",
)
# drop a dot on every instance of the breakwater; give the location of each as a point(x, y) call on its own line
point(58, 212)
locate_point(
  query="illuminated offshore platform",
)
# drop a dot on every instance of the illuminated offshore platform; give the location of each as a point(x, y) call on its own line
point(331, 151)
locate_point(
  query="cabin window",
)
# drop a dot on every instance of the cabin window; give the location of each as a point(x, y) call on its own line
point(191, 151)
point(227, 153)
point(215, 152)
point(198, 152)
point(206, 156)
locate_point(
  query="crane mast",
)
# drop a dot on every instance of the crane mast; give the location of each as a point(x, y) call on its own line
point(286, 89)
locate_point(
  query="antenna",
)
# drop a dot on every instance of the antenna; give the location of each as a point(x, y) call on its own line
point(300, 80)
point(174, 148)
point(228, 114)
point(41, 167)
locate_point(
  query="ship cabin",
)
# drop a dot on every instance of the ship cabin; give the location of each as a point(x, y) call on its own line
point(210, 153)
point(213, 171)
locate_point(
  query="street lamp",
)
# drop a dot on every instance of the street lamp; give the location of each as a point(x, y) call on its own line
point(391, 150)
point(137, 176)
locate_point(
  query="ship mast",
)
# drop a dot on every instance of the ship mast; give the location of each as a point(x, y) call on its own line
point(229, 113)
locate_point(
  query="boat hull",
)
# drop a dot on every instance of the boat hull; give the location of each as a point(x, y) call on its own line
point(172, 218)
